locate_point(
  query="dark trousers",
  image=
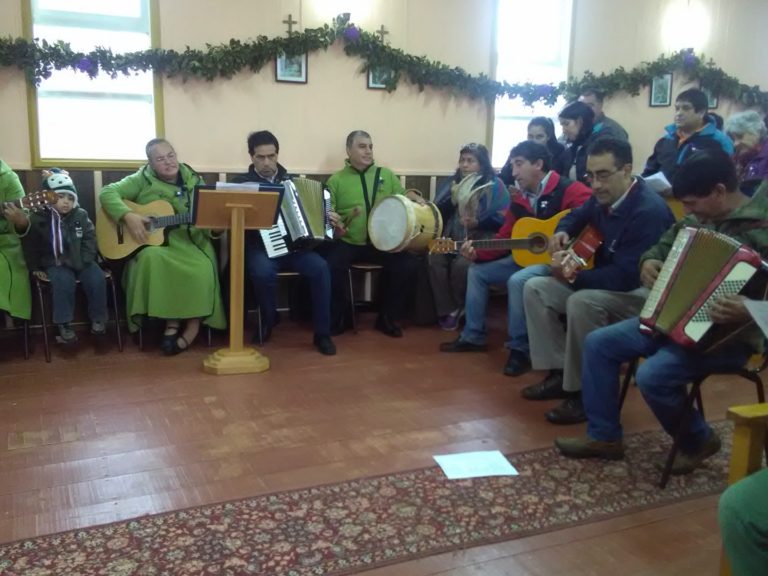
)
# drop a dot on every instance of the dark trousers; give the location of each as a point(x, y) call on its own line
point(396, 282)
point(263, 273)
point(63, 284)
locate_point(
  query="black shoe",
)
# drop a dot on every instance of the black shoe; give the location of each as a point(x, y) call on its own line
point(340, 325)
point(325, 345)
point(266, 334)
point(175, 348)
point(518, 363)
point(571, 411)
point(550, 388)
point(384, 324)
point(460, 345)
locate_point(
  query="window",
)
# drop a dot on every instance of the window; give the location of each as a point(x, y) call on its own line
point(533, 40)
point(104, 119)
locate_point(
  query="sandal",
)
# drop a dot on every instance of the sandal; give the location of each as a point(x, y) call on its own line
point(175, 348)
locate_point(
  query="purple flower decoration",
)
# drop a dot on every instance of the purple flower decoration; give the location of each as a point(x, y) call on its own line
point(352, 33)
point(690, 58)
point(84, 64)
point(543, 90)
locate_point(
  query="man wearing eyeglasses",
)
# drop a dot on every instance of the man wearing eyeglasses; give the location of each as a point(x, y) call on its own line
point(630, 218)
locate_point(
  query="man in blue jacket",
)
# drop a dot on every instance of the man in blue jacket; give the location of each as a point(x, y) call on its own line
point(692, 130)
point(630, 218)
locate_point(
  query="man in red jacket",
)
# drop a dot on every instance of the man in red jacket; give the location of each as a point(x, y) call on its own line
point(542, 194)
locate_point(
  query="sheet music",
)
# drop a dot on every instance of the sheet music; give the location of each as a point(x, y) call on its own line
point(658, 183)
point(758, 309)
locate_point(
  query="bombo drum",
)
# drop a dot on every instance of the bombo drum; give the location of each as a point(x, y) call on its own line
point(398, 223)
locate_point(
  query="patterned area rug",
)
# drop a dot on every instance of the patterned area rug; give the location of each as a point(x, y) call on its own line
point(353, 526)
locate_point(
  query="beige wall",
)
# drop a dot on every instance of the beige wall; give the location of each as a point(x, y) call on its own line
point(734, 42)
point(413, 132)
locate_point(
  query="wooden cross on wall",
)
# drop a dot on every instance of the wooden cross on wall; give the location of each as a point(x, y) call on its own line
point(381, 32)
point(290, 22)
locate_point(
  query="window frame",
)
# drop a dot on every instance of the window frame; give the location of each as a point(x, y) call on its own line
point(516, 114)
point(32, 91)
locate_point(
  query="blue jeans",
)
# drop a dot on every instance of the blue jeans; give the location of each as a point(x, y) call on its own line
point(263, 273)
point(661, 378)
point(480, 278)
point(63, 283)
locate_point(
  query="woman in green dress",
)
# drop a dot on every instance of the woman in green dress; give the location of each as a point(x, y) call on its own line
point(179, 281)
point(15, 295)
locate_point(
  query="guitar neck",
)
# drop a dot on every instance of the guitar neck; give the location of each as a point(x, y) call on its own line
point(174, 220)
point(499, 244)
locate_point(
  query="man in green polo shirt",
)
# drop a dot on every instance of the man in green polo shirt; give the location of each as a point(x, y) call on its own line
point(354, 191)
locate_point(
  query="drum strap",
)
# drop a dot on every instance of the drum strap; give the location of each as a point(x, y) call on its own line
point(370, 201)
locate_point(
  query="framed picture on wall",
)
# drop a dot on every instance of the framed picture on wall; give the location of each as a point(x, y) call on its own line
point(378, 78)
point(661, 90)
point(712, 99)
point(291, 68)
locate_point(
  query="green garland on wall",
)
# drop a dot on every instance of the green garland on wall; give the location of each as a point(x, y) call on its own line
point(38, 59)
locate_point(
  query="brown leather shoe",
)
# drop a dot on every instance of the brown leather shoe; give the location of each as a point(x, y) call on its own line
point(687, 463)
point(586, 447)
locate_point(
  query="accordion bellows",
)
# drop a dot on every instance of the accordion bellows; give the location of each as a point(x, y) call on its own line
point(314, 204)
point(701, 266)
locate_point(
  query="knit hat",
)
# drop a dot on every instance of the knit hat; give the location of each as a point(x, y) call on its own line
point(58, 180)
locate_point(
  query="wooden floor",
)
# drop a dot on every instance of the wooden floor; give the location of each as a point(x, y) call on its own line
point(103, 436)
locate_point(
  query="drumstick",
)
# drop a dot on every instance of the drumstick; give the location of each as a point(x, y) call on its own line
point(356, 211)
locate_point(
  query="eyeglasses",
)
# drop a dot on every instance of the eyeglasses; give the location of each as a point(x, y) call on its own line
point(600, 175)
point(170, 158)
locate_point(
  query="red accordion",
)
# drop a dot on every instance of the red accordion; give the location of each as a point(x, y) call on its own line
point(701, 266)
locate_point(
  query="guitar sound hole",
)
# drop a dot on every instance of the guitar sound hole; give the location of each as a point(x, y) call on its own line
point(538, 243)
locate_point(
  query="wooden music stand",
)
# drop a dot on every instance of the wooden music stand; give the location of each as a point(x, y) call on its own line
point(238, 209)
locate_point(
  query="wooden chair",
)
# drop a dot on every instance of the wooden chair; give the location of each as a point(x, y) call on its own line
point(43, 285)
point(749, 372)
point(749, 439)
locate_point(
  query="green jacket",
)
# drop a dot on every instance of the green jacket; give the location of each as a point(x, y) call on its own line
point(78, 235)
point(743, 225)
point(739, 224)
point(15, 295)
point(10, 189)
point(348, 187)
point(144, 186)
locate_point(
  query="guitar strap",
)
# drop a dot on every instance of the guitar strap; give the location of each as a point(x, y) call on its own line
point(372, 200)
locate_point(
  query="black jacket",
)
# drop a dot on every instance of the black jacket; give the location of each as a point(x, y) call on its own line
point(78, 235)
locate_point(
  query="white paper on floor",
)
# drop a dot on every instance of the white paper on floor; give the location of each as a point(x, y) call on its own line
point(475, 465)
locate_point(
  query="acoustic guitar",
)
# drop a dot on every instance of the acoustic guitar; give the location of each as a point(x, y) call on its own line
point(580, 253)
point(115, 241)
point(36, 200)
point(528, 242)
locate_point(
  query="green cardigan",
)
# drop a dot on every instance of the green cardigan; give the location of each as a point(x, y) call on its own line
point(15, 294)
point(743, 225)
point(347, 192)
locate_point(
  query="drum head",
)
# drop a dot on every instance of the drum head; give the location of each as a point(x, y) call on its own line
point(390, 224)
